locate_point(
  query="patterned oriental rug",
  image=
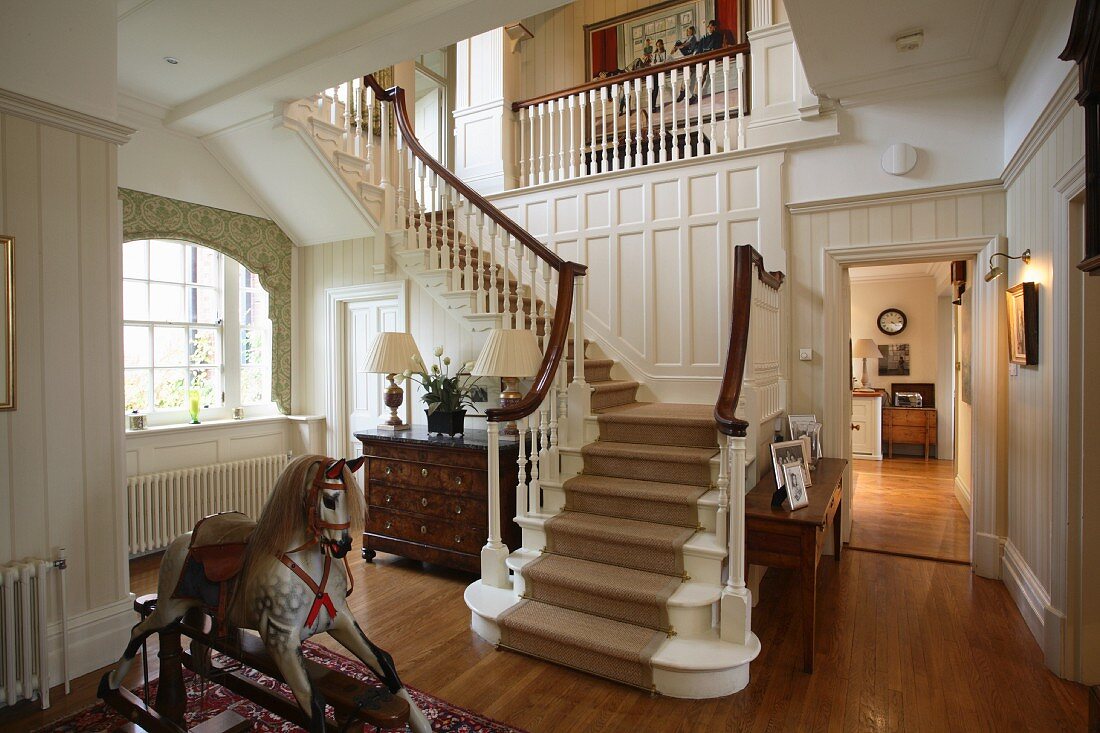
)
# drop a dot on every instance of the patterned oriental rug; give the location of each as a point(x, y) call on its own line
point(445, 718)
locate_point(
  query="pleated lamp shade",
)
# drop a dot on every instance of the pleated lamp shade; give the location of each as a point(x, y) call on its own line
point(508, 352)
point(391, 353)
point(865, 349)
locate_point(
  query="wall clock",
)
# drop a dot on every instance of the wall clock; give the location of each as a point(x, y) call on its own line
point(891, 321)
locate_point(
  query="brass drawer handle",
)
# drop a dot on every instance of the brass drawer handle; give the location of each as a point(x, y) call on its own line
point(389, 498)
point(458, 480)
point(458, 508)
point(424, 472)
point(389, 525)
point(423, 529)
point(424, 501)
point(389, 470)
point(458, 539)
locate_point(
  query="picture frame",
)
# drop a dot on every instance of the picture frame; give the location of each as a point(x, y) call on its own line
point(7, 323)
point(485, 394)
point(1023, 323)
point(800, 424)
point(895, 360)
point(790, 451)
point(797, 497)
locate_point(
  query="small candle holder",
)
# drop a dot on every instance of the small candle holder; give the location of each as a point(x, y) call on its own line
point(238, 413)
point(134, 421)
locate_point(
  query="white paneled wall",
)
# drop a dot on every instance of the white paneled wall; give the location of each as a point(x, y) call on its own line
point(658, 245)
point(61, 471)
point(1032, 223)
point(350, 262)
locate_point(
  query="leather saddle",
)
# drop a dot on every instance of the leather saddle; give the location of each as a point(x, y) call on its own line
point(214, 560)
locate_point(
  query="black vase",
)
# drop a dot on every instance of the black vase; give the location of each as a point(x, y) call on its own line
point(445, 423)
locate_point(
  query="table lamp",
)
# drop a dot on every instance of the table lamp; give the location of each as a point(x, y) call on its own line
point(865, 349)
point(510, 354)
point(391, 353)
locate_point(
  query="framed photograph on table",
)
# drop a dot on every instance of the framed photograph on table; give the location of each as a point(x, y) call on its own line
point(800, 425)
point(796, 486)
point(790, 451)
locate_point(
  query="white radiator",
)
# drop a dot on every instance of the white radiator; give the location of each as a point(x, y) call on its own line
point(24, 667)
point(162, 506)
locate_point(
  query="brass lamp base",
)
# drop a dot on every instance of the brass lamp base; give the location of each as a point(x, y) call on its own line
point(393, 398)
point(510, 396)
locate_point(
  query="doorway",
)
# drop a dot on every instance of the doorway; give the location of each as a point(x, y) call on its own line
point(909, 495)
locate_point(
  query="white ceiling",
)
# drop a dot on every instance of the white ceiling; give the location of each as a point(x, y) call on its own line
point(848, 47)
point(940, 272)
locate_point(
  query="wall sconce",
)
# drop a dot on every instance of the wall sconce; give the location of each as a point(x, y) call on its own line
point(996, 272)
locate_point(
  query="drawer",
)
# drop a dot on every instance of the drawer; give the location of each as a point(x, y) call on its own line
point(860, 410)
point(434, 504)
point(426, 530)
point(427, 454)
point(902, 434)
point(464, 481)
point(917, 418)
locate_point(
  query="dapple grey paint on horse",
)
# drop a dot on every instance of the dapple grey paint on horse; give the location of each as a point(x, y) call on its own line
point(308, 519)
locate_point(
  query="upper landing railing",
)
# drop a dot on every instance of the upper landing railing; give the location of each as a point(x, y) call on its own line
point(676, 110)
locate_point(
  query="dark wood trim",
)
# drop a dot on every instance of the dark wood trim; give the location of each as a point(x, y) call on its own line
point(567, 271)
point(745, 260)
point(639, 74)
point(1083, 47)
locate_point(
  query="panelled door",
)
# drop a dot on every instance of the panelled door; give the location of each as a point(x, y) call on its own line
point(365, 410)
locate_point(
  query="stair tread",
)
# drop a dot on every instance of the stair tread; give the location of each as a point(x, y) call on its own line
point(645, 451)
point(615, 385)
point(638, 489)
point(670, 413)
point(600, 579)
point(618, 529)
point(565, 626)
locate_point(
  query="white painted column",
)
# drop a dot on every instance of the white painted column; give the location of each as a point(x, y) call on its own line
point(736, 610)
point(493, 570)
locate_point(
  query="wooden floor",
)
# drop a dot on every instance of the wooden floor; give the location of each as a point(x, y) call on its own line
point(903, 645)
point(908, 506)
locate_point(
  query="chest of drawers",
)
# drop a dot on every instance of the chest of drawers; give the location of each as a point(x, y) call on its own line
point(427, 496)
point(916, 425)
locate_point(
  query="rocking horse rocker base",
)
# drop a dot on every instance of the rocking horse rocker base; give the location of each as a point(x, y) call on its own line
point(355, 705)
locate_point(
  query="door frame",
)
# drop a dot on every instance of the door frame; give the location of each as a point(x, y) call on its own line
point(988, 351)
point(338, 300)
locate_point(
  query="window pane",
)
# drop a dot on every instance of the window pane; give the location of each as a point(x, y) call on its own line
point(254, 385)
point(165, 261)
point(202, 305)
point(169, 346)
point(135, 301)
point(253, 341)
point(203, 266)
point(166, 303)
point(169, 388)
point(138, 390)
point(253, 307)
point(208, 384)
point(249, 279)
point(135, 340)
point(204, 346)
point(135, 260)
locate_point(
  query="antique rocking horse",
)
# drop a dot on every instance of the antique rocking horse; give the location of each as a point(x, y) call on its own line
point(281, 576)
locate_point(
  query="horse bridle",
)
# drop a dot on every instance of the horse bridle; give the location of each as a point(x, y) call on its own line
point(322, 483)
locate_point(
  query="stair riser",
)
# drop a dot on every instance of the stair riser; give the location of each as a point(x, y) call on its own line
point(602, 399)
point(625, 432)
point(615, 609)
point(553, 499)
point(632, 508)
point(691, 621)
point(593, 371)
point(692, 474)
point(703, 569)
point(534, 539)
point(701, 685)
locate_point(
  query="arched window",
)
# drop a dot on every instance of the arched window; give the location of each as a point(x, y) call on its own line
point(193, 319)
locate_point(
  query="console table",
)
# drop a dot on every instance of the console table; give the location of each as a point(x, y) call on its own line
point(778, 538)
point(427, 496)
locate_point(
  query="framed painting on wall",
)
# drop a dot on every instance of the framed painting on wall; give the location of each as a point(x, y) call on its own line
point(894, 360)
point(618, 43)
point(1023, 324)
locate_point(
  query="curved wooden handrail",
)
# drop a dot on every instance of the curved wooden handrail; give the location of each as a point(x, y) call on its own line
point(745, 260)
point(638, 74)
point(396, 95)
point(567, 271)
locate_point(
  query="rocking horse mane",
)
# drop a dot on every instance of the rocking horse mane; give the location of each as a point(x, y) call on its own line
point(285, 515)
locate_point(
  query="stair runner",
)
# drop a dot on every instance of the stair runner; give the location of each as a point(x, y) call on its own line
point(596, 599)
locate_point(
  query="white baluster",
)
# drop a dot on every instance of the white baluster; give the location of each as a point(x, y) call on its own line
point(561, 140)
point(532, 310)
point(456, 242)
point(544, 173)
point(347, 117)
point(494, 572)
point(673, 74)
point(546, 271)
point(357, 125)
point(422, 238)
point(402, 204)
point(484, 255)
point(551, 147)
point(615, 163)
point(494, 303)
point(699, 107)
point(532, 174)
point(722, 518)
point(506, 286)
point(726, 103)
point(370, 136)
point(384, 152)
point(740, 101)
point(435, 259)
point(593, 165)
point(522, 161)
point(573, 133)
point(605, 163)
point(736, 608)
point(640, 135)
point(442, 231)
point(661, 155)
point(334, 103)
point(468, 247)
point(522, 498)
point(578, 332)
point(552, 452)
point(545, 467)
point(534, 488)
point(713, 119)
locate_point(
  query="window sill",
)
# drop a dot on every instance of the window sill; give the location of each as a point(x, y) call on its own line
point(206, 425)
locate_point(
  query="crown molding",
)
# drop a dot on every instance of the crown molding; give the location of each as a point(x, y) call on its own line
point(67, 119)
point(928, 87)
point(896, 197)
point(1058, 107)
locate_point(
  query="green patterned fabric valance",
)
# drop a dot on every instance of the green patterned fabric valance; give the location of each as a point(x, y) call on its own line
point(258, 244)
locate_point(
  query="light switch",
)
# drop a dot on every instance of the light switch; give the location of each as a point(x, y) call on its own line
point(805, 354)
point(1013, 370)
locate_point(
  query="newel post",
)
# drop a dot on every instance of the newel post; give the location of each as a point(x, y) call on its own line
point(736, 597)
point(580, 393)
point(493, 570)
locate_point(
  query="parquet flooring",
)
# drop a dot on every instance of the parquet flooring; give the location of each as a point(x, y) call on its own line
point(908, 506)
point(903, 645)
